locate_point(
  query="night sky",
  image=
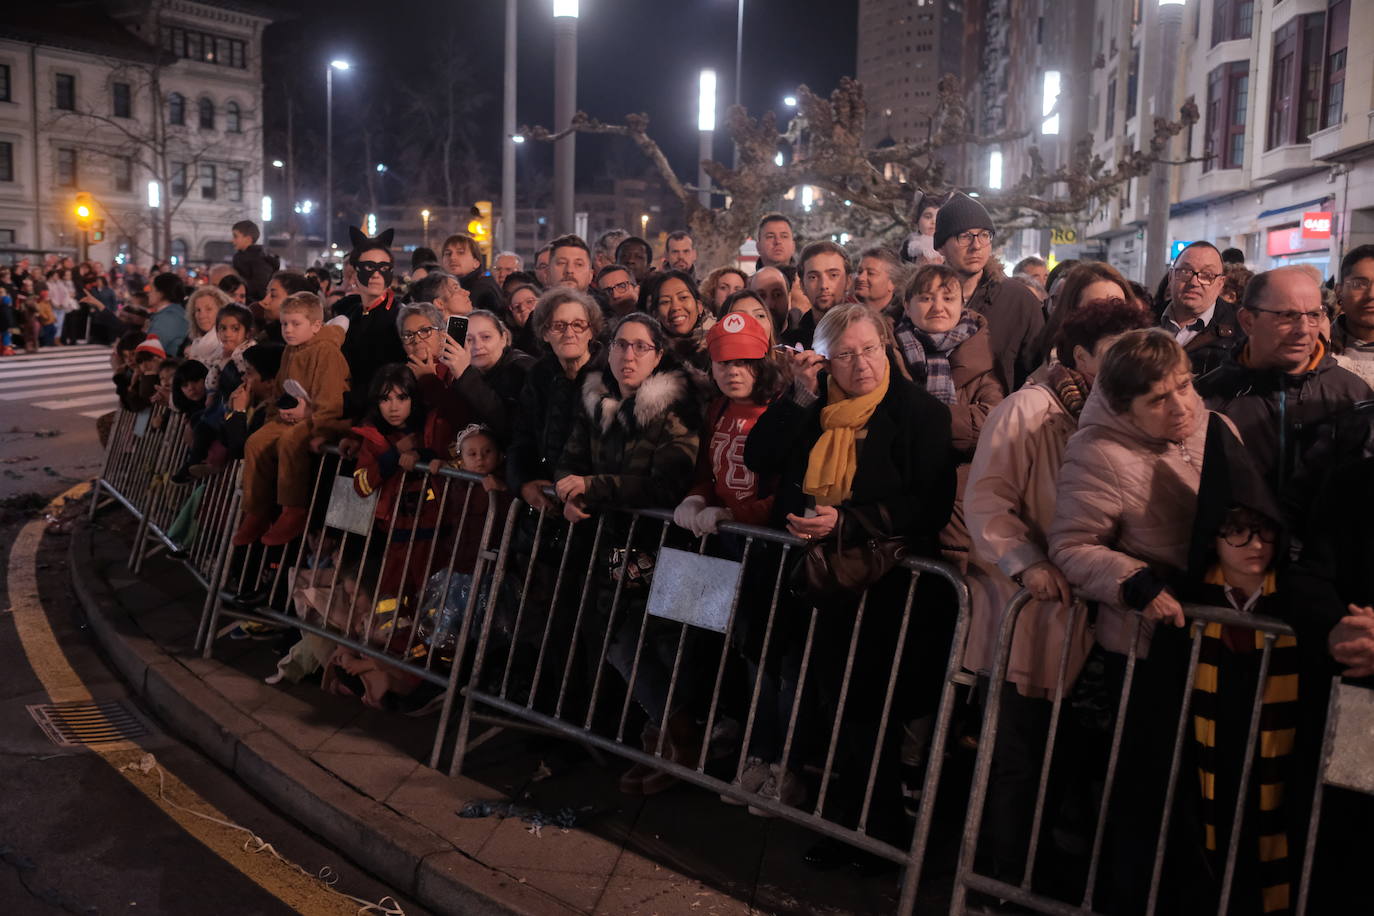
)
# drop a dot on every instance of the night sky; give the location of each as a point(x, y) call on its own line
point(633, 55)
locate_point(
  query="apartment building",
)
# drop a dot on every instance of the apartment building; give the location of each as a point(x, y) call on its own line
point(108, 98)
point(905, 46)
point(1286, 137)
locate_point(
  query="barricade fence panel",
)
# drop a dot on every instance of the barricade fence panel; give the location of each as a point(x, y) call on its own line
point(384, 587)
point(702, 660)
point(1159, 776)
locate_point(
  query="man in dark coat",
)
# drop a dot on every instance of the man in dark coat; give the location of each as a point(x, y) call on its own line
point(1203, 323)
point(1283, 385)
point(251, 262)
point(963, 235)
point(462, 257)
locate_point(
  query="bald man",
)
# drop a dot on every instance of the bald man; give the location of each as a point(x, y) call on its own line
point(1283, 384)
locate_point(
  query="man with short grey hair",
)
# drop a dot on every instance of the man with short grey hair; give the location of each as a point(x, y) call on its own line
point(606, 244)
point(503, 265)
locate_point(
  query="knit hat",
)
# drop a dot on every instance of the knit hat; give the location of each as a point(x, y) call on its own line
point(152, 345)
point(737, 336)
point(265, 358)
point(959, 214)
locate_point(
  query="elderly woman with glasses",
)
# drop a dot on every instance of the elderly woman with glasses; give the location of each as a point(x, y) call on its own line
point(860, 451)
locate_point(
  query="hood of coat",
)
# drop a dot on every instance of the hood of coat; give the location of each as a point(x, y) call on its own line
point(655, 397)
point(973, 357)
point(1098, 415)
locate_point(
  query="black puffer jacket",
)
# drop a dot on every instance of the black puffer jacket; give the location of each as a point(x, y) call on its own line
point(1280, 415)
point(637, 452)
point(544, 419)
point(493, 397)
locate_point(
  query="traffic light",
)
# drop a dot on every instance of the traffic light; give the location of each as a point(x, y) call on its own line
point(84, 210)
point(98, 230)
point(479, 226)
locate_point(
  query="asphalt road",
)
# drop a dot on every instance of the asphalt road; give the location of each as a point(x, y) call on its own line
point(76, 836)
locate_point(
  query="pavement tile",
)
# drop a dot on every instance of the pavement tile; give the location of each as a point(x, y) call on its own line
point(432, 800)
point(377, 776)
point(307, 733)
point(666, 897)
point(355, 740)
point(247, 693)
point(513, 846)
point(577, 889)
point(786, 884)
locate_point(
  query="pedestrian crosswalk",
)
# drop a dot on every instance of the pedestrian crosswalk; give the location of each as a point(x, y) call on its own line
point(60, 378)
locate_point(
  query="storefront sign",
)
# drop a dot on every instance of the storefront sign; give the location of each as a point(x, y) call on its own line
point(1316, 224)
point(1290, 240)
point(1063, 236)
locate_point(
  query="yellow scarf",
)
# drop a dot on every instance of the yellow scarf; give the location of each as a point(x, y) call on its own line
point(830, 470)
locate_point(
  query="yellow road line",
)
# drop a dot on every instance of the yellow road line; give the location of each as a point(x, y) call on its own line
point(63, 685)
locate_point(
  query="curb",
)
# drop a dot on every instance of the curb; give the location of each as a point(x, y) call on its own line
point(414, 861)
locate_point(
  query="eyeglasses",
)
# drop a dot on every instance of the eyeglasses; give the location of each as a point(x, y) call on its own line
point(974, 238)
point(1358, 284)
point(867, 354)
point(365, 269)
point(418, 334)
point(1185, 276)
point(621, 345)
point(618, 288)
point(1289, 317)
point(1239, 537)
point(577, 326)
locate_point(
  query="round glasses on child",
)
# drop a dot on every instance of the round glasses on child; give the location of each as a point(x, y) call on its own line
point(1239, 537)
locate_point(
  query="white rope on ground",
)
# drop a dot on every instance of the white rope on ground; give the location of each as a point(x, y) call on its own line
point(326, 876)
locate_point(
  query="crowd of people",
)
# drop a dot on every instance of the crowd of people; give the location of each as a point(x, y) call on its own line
point(1116, 453)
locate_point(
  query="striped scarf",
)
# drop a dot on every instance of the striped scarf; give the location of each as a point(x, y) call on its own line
point(927, 355)
point(1220, 647)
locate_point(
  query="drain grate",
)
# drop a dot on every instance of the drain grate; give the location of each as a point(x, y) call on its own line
point(80, 724)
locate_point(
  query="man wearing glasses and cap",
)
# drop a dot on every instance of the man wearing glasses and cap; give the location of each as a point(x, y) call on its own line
point(1203, 324)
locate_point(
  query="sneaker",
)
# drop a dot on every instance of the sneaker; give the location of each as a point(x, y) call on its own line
point(251, 629)
point(755, 774)
point(782, 785)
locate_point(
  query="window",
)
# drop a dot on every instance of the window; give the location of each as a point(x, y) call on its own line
point(123, 168)
point(204, 47)
point(176, 109)
point(1227, 88)
point(1111, 108)
point(121, 100)
point(233, 184)
point(207, 181)
point(1133, 82)
point(1231, 20)
point(6, 160)
point(232, 119)
point(207, 114)
point(1337, 38)
point(1295, 92)
point(65, 86)
point(66, 167)
point(5, 83)
point(178, 179)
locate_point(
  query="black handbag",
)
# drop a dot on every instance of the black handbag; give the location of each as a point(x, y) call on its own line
point(832, 570)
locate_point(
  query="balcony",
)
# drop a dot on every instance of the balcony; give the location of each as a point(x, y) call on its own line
point(1326, 141)
point(1286, 162)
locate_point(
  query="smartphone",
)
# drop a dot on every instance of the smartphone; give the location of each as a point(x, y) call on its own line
point(458, 329)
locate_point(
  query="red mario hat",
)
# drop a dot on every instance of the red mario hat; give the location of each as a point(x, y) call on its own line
point(737, 336)
point(151, 345)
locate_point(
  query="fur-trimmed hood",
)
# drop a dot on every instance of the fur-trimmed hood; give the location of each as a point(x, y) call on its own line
point(658, 394)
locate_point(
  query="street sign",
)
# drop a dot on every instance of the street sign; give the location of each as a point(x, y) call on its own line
point(1316, 224)
point(1063, 236)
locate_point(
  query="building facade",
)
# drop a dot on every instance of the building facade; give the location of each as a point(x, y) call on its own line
point(107, 99)
point(905, 46)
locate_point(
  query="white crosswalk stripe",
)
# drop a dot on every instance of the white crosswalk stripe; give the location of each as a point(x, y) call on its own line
point(61, 378)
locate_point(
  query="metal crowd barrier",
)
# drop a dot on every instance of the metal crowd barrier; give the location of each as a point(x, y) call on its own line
point(1024, 893)
point(301, 584)
point(131, 460)
point(526, 662)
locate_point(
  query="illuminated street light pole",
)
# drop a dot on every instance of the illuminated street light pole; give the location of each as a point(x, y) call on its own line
point(564, 104)
point(329, 151)
point(507, 240)
point(706, 127)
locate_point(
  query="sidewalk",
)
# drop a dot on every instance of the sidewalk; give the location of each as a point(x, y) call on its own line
point(353, 776)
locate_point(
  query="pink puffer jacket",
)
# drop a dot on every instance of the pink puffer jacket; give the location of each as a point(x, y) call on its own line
point(1126, 501)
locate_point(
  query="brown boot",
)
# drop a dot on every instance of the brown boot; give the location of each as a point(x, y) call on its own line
point(632, 781)
point(288, 526)
point(251, 528)
point(681, 745)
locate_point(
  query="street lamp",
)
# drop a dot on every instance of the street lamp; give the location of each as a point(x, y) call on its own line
point(790, 101)
point(335, 64)
point(266, 209)
point(739, 61)
point(995, 170)
point(508, 135)
point(278, 164)
point(424, 216)
point(564, 104)
point(644, 225)
point(706, 126)
point(381, 168)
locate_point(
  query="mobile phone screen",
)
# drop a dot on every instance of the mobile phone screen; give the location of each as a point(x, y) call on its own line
point(458, 329)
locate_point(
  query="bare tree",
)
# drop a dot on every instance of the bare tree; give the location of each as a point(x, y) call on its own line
point(827, 152)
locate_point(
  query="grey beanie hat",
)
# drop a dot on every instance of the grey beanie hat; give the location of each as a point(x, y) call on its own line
point(959, 214)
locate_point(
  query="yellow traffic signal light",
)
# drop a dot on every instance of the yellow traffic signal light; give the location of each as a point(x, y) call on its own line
point(479, 226)
point(84, 210)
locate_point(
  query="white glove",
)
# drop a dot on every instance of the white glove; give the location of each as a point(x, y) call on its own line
point(684, 516)
point(340, 321)
point(707, 519)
